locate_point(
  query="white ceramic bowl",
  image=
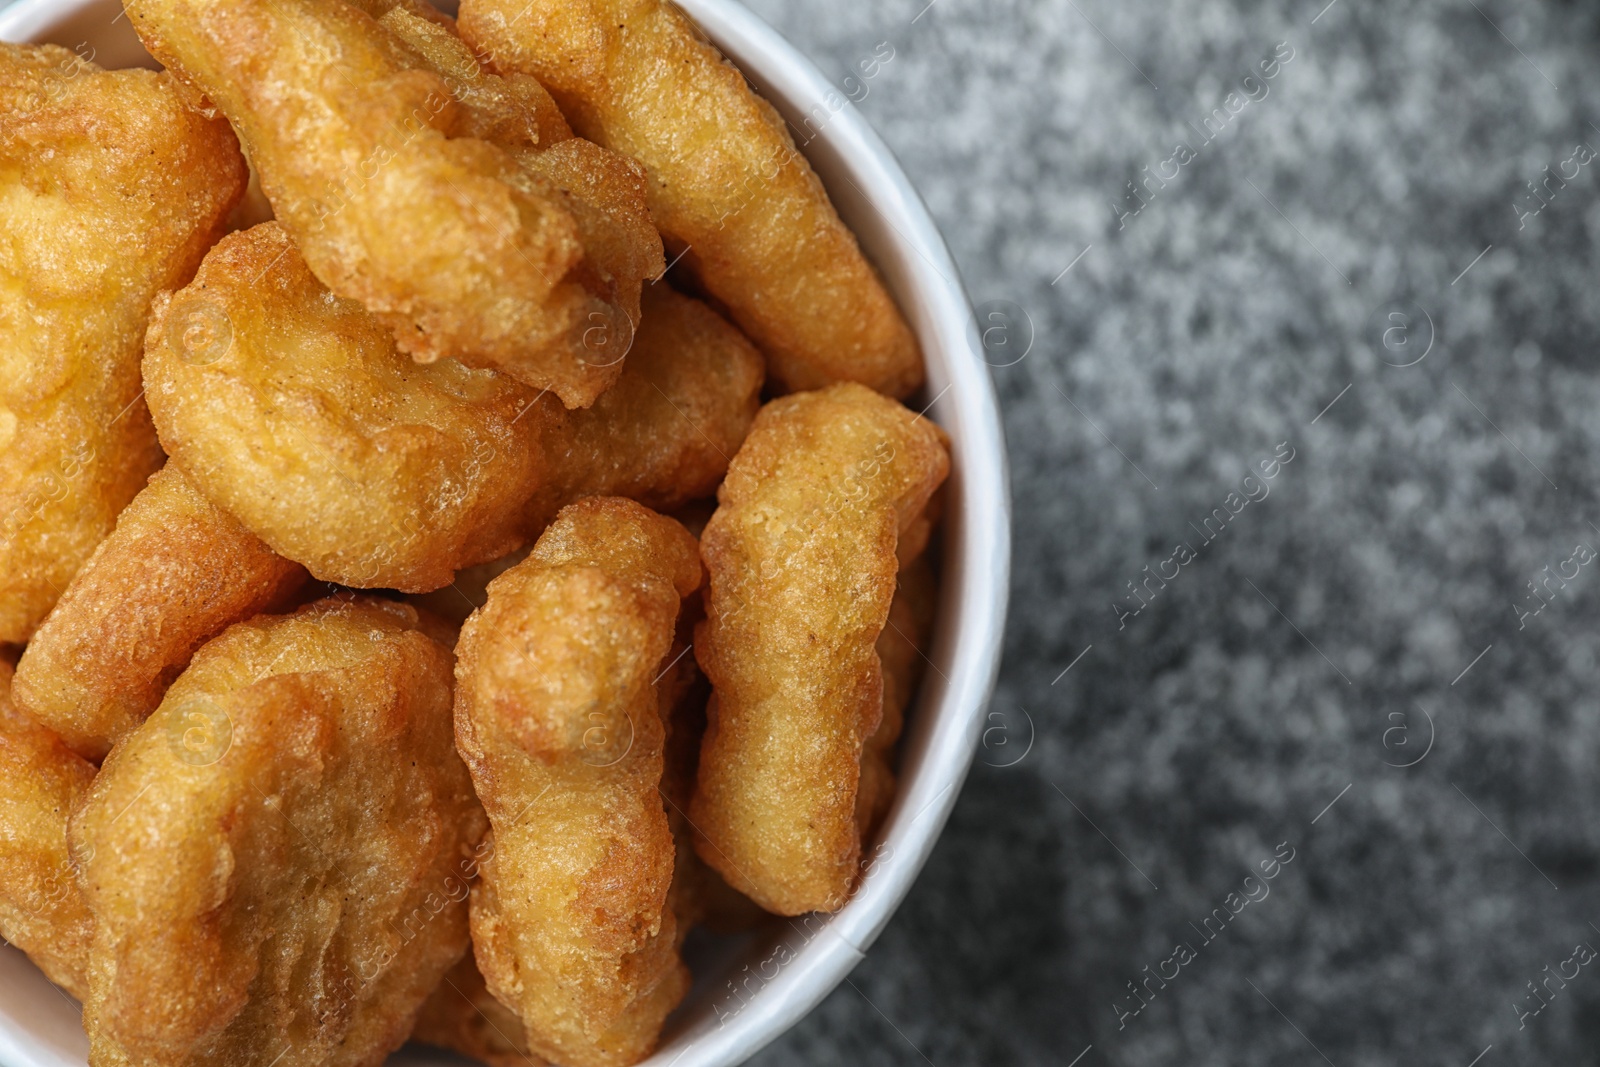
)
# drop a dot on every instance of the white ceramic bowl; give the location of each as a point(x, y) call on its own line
point(748, 990)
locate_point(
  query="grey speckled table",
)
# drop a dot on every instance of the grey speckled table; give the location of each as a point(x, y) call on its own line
point(1366, 607)
point(1311, 638)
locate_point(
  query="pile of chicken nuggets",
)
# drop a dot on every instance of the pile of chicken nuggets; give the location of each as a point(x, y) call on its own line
point(418, 609)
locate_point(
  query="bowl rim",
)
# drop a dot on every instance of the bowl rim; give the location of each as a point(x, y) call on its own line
point(972, 617)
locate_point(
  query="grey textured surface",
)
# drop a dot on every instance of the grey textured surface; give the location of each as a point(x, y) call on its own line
point(1258, 685)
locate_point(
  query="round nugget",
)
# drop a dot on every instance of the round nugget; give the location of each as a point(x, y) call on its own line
point(175, 572)
point(802, 557)
point(111, 189)
point(278, 860)
point(558, 716)
point(293, 410)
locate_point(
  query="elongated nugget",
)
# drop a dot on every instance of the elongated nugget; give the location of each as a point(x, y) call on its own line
point(802, 560)
point(293, 411)
point(726, 183)
point(446, 238)
point(110, 190)
point(176, 572)
point(42, 911)
point(273, 859)
point(558, 717)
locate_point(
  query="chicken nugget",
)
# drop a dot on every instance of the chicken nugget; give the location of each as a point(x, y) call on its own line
point(462, 1015)
point(293, 410)
point(110, 190)
point(274, 859)
point(604, 192)
point(900, 651)
point(42, 910)
point(175, 572)
point(663, 435)
point(727, 187)
point(456, 247)
point(802, 560)
point(558, 717)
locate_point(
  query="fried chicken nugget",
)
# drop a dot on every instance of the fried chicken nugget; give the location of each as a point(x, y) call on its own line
point(42, 910)
point(557, 716)
point(175, 572)
point(727, 185)
point(110, 190)
point(272, 858)
point(802, 560)
point(664, 433)
point(446, 238)
point(604, 192)
point(464, 1016)
point(292, 410)
point(900, 651)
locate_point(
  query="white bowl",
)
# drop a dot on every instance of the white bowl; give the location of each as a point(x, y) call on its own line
point(749, 990)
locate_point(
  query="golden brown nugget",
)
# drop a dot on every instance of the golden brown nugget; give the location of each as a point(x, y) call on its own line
point(42, 911)
point(293, 410)
point(111, 189)
point(557, 715)
point(901, 650)
point(272, 858)
point(664, 433)
point(175, 572)
point(604, 192)
point(463, 1016)
point(445, 238)
point(727, 187)
point(802, 560)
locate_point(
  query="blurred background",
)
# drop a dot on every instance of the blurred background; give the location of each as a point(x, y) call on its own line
point(1375, 253)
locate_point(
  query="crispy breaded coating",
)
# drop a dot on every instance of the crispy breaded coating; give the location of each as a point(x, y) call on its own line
point(663, 435)
point(700, 896)
point(175, 572)
point(293, 410)
point(463, 1016)
point(557, 715)
point(902, 648)
point(446, 238)
point(42, 911)
point(727, 187)
point(514, 111)
point(604, 192)
point(802, 560)
point(110, 190)
point(273, 859)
